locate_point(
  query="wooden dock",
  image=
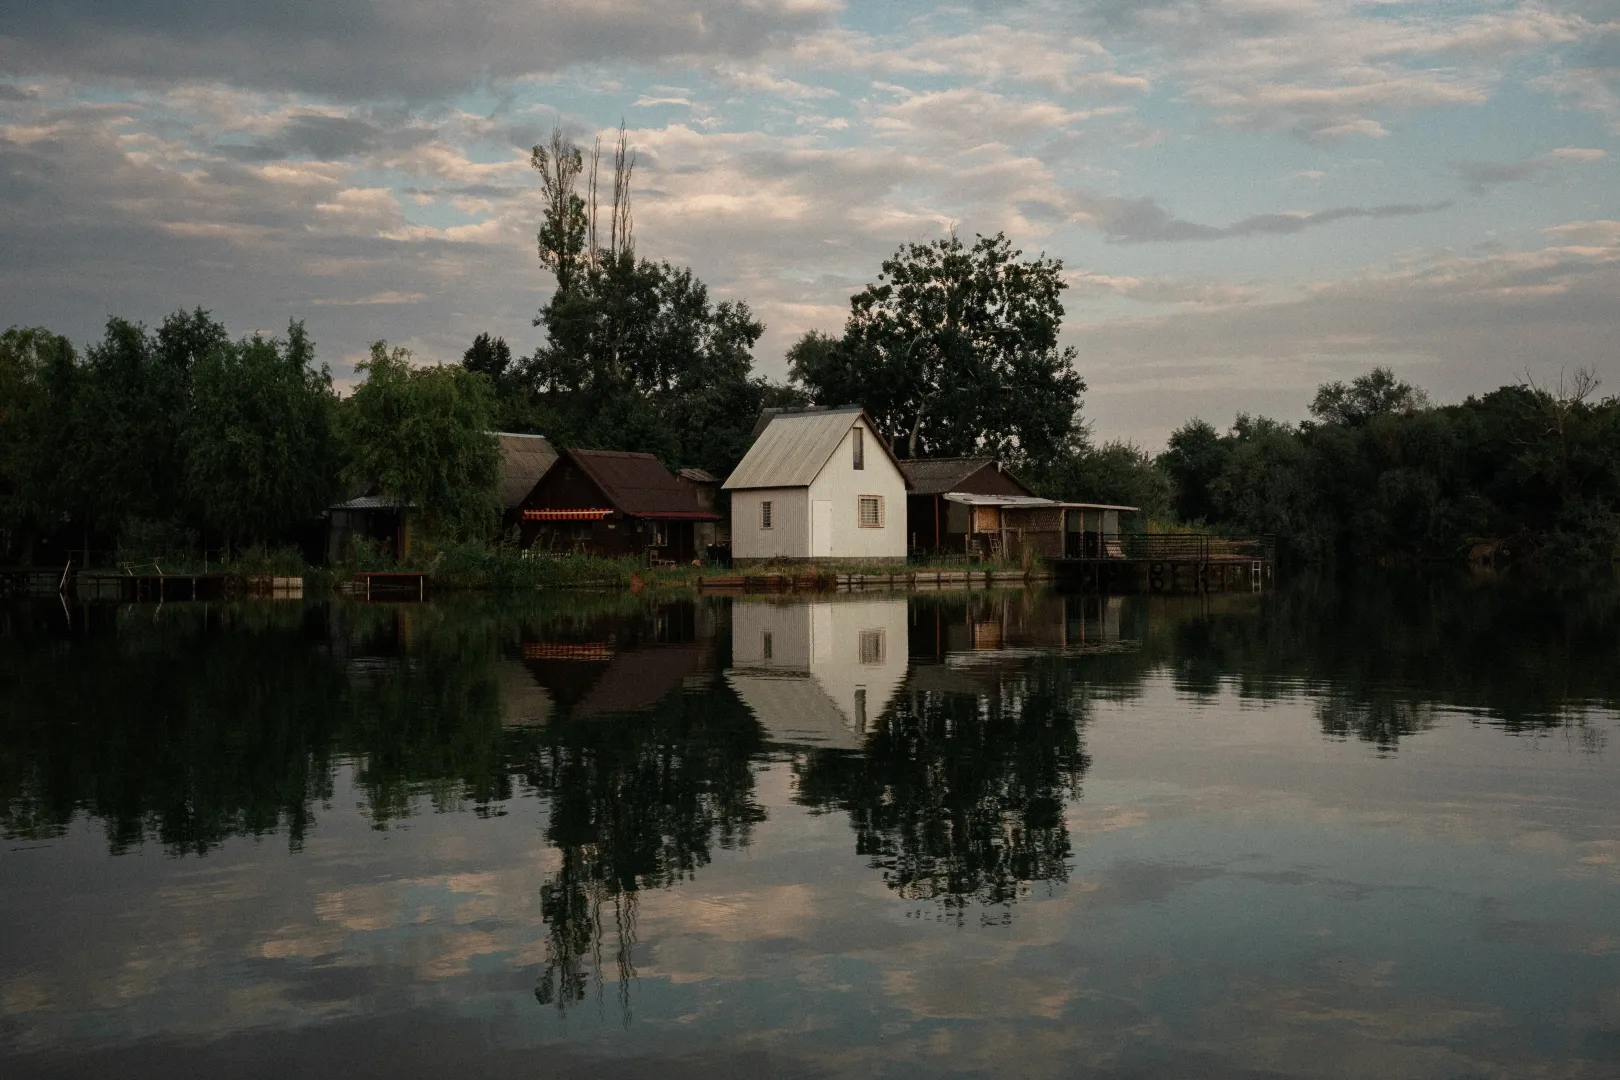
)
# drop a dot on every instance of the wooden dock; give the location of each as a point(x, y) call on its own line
point(389, 585)
point(1160, 562)
point(924, 580)
point(149, 587)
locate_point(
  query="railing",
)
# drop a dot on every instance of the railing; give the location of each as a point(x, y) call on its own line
point(1172, 547)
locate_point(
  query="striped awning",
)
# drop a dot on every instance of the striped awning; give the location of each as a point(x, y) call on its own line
point(565, 515)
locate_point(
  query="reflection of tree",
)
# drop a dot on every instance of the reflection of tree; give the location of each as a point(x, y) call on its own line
point(1381, 720)
point(959, 797)
point(637, 802)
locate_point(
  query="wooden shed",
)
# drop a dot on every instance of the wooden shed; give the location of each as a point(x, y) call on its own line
point(612, 503)
point(936, 526)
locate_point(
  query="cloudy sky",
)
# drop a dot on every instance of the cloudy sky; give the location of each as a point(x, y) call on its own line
point(1249, 196)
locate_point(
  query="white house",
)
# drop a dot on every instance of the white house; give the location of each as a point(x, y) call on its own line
point(818, 484)
point(819, 673)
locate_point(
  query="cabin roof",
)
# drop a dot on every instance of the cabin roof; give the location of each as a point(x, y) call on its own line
point(698, 476)
point(936, 476)
point(794, 447)
point(637, 484)
point(524, 460)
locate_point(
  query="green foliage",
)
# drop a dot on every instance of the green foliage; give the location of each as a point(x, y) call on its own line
point(1116, 472)
point(259, 448)
point(1525, 471)
point(953, 352)
point(38, 375)
point(422, 436)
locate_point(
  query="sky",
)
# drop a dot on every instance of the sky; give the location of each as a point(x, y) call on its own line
point(1249, 197)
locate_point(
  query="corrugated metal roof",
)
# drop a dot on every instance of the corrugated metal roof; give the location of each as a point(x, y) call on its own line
point(792, 449)
point(370, 502)
point(698, 476)
point(970, 498)
point(524, 460)
point(637, 484)
point(794, 709)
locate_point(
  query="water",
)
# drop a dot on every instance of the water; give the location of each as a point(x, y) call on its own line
point(1325, 833)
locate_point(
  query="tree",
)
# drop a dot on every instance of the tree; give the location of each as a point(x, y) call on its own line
point(422, 436)
point(1116, 472)
point(37, 382)
point(954, 351)
point(260, 455)
point(125, 460)
point(490, 357)
point(1377, 393)
point(1194, 460)
point(636, 357)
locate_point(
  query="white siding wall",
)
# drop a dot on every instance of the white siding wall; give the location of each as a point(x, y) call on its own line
point(840, 484)
point(789, 534)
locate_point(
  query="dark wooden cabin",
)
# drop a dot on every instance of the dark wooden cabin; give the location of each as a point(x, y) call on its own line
point(612, 503)
point(934, 525)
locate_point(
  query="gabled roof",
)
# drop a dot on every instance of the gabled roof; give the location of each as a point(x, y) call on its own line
point(637, 484)
point(698, 476)
point(794, 447)
point(524, 460)
point(935, 476)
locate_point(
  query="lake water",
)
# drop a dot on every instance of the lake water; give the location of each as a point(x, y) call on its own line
point(1365, 831)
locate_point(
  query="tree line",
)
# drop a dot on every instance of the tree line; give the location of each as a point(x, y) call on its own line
point(184, 438)
point(1526, 471)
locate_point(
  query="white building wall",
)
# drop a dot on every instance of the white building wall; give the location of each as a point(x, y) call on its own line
point(856, 650)
point(789, 534)
point(841, 484)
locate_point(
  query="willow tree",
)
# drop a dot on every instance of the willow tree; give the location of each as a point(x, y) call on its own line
point(422, 436)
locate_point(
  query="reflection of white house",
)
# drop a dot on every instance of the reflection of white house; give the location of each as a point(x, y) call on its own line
point(818, 673)
point(817, 484)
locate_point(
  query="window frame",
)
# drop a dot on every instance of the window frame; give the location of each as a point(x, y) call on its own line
point(871, 647)
point(882, 512)
point(767, 515)
point(859, 456)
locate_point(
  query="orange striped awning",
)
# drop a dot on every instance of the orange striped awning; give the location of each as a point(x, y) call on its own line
point(565, 515)
point(557, 650)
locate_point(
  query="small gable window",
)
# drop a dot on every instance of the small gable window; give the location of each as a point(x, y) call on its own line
point(860, 448)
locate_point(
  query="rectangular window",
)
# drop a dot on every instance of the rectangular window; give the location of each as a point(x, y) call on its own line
point(660, 534)
point(871, 646)
point(765, 514)
point(870, 511)
point(765, 644)
point(860, 448)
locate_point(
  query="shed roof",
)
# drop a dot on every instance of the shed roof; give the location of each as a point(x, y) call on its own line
point(970, 498)
point(524, 460)
point(637, 484)
point(936, 476)
point(698, 476)
point(794, 447)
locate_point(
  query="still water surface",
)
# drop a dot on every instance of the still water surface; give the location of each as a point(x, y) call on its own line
point(1330, 832)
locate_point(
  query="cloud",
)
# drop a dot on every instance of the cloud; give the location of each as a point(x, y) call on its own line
point(1459, 324)
point(1144, 221)
point(1320, 69)
point(359, 49)
point(1482, 176)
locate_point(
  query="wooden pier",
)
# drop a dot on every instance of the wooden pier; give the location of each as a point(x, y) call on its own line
point(149, 587)
point(1184, 562)
point(392, 585)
